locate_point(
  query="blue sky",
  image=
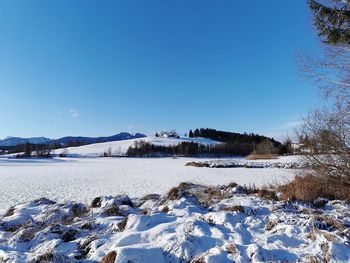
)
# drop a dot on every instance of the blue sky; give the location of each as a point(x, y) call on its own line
point(101, 67)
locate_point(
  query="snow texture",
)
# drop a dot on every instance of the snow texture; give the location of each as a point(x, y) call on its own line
point(192, 223)
point(81, 179)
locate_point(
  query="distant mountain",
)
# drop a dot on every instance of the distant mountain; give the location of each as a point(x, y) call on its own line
point(13, 141)
point(69, 140)
point(89, 140)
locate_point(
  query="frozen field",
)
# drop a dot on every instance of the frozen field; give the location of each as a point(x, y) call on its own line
point(82, 179)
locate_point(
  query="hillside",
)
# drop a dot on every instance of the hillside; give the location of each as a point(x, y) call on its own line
point(121, 147)
point(13, 141)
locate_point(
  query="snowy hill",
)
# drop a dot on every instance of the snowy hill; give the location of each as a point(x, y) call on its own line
point(89, 140)
point(13, 141)
point(120, 147)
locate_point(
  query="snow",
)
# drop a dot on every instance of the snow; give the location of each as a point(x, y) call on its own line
point(81, 179)
point(120, 147)
point(179, 228)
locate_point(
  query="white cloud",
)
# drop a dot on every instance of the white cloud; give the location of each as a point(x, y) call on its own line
point(74, 113)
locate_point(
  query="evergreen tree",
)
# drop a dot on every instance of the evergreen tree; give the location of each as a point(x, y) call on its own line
point(332, 21)
point(190, 134)
point(196, 133)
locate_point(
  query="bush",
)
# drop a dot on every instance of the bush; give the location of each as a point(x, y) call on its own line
point(309, 188)
point(265, 156)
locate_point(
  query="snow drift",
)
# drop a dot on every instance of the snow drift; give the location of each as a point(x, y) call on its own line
point(192, 223)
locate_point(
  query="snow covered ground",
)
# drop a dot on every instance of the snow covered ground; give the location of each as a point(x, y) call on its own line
point(81, 179)
point(191, 224)
point(120, 147)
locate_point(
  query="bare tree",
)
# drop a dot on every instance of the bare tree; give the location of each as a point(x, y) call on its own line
point(326, 134)
point(326, 131)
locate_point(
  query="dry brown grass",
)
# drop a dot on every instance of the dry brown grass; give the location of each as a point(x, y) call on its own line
point(271, 224)
point(111, 211)
point(10, 212)
point(165, 209)
point(96, 202)
point(110, 257)
point(309, 188)
point(267, 194)
point(122, 224)
point(69, 235)
point(177, 192)
point(85, 247)
point(262, 156)
point(234, 208)
point(325, 222)
point(210, 196)
point(231, 248)
point(197, 164)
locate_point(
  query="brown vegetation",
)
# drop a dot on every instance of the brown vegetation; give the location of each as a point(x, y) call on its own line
point(309, 188)
point(111, 211)
point(267, 194)
point(234, 208)
point(271, 224)
point(96, 202)
point(122, 224)
point(110, 257)
point(261, 156)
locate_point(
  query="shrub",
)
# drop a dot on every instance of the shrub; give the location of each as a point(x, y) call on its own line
point(309, 188)
point(110, 257)
point(266, 194)
point(261, 156)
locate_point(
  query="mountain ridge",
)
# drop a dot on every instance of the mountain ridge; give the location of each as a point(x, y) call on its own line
point(14, 141)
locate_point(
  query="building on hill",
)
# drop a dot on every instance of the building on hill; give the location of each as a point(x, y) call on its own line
point(169, 134)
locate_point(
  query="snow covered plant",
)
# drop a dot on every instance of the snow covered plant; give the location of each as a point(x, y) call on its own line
point(192, 223)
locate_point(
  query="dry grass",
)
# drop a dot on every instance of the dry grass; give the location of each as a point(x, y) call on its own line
point(198, 260)
point(325, 222)
point(96, 202)
point(110, 257)
point(176, 193)
point(122, 224)
point(111, 211)
point(197, 164)
point(47, 257)
point(79, 210)
point(234, 208)
point(165, 209)
point(85, 247)
point(262, 156)
point(210, 196)
point(270, 225)
point(309, 188)
point(69, 235)
point(267, 194)
point(250, 189)
point(311, 259)
point(10, 212)
point(232, 249)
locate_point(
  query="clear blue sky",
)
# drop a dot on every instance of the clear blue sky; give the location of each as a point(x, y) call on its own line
point(100, 67)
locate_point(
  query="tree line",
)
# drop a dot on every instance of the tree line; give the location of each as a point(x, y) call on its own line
point(232, 144)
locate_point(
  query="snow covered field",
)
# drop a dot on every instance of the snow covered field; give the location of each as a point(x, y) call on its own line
point(193, 224)
point(82, 179)
point(196, 223)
